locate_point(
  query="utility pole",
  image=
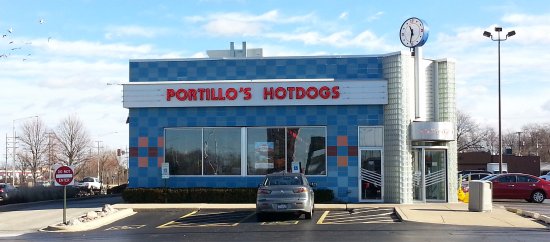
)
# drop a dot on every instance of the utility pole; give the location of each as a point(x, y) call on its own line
point(519, 143)
point(98, 146)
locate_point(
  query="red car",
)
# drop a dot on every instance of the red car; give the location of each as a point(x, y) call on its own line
point(519, 186)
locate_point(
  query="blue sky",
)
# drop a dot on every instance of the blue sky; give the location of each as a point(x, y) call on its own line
point(62, 64)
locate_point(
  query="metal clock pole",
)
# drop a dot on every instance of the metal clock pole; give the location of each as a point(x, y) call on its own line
point(417, 89)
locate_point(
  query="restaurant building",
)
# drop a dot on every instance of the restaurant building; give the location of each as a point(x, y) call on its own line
point(359, 125)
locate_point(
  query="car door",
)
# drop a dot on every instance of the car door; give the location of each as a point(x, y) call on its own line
point(503, 186)
point(524, 186)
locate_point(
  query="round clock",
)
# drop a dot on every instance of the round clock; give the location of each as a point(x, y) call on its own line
point(413, 33)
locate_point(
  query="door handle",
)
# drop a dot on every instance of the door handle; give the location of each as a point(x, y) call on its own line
point(511, 185)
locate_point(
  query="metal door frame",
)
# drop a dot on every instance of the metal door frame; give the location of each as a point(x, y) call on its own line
point(422, 157)
point(381, 176)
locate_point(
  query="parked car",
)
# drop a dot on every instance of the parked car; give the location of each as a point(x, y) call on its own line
point(545, 177)
point(90, 185)
point(6, 191)
point(520, 186)
point(471, 177)
point(285, 193)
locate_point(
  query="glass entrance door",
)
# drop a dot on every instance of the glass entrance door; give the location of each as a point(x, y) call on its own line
point(371, 180)
point(430, 175)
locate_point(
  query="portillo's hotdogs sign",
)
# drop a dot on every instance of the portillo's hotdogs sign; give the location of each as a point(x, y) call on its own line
point(254, 93)
point(220, 94)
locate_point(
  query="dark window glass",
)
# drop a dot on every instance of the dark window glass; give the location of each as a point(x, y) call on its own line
point(265, 150)
point(509, 178)
point(307, 146)
point(222, 151)
point(183, 151)
point(526, 179)
point(283, 180)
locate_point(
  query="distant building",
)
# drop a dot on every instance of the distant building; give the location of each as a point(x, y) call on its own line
point(516, 164)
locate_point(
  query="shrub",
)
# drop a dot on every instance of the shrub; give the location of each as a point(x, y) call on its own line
point(117, 190)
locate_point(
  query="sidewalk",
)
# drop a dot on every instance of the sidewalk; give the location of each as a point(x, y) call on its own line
point(436, 213)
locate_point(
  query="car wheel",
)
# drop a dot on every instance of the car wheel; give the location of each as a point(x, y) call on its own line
point(538, 196)
point(309, 214)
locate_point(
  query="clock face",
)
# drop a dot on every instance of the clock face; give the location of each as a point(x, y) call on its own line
point(413, 33)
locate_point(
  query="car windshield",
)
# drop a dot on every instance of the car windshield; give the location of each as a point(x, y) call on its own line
point(283, 180)
point(88, 179)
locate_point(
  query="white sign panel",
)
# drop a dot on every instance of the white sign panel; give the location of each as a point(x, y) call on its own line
point(254, 93)
point(432, 131)
point(296, 167)
point(165, 170)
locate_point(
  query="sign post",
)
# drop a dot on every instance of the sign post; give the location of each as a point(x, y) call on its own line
point(64, 176)
point(165, 170)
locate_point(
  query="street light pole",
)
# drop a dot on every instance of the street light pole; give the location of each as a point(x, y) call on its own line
point(498, 39)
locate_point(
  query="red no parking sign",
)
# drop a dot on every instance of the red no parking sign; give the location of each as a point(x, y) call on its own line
point(64, 176)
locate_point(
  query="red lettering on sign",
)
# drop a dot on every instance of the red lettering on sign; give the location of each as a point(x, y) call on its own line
point(269, 93)
point(169, 94)
point(336, 92)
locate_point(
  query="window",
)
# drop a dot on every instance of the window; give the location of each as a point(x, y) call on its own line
point(507, 179)
point(217, 151)
point(275, 149)
point(208, 151)
point(307, 146)
point(526, 179)
point(221, 152)
point(183, 151)
point(265, 150)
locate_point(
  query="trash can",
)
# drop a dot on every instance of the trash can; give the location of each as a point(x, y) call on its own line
point(481, 196)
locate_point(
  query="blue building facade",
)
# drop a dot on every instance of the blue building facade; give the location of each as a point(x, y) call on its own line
point(160, 133)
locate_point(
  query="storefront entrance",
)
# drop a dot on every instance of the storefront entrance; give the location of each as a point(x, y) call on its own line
point(429, 174)
point(371, 179)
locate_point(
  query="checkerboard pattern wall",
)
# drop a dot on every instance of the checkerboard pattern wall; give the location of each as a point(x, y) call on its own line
point(147, 124)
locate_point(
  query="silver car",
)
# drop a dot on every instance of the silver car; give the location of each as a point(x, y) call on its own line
point(285, 193)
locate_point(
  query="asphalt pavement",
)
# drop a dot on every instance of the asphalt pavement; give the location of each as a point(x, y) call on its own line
point(29, 218)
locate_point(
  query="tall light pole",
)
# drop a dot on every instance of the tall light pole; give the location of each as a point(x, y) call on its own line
point(498, 39)
point(14, 146)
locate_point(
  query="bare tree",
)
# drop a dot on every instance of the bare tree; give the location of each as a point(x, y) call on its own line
point(490, 140)
point(23, 159)
point(108, 165)
point(74, 141)
point(468, 133)
point(34, 144)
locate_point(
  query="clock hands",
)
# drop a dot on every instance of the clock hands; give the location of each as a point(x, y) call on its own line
point(412, 34)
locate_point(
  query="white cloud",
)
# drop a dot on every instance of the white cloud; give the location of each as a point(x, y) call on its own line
point(524, 19)
point(376, 16)
point(342, 39)
point(343, 15)
point(228, 27)
point(133, 31)
point(235, 23)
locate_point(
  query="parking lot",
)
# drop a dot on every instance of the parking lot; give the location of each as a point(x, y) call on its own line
point(186, 218)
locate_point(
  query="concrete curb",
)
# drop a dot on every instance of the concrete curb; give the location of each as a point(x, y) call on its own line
point(94, 224)
point(534, 215)
point(400, 214)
